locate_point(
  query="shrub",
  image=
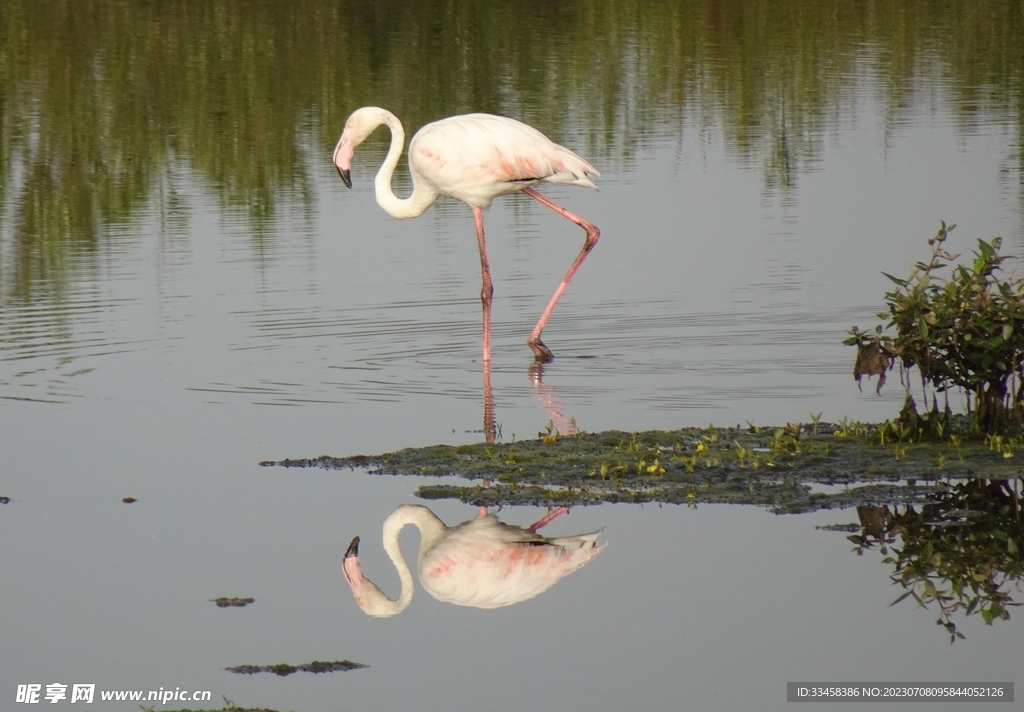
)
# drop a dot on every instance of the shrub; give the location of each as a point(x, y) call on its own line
point(966, 331)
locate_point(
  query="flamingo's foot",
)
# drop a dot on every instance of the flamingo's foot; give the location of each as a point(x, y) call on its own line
point(541, 353)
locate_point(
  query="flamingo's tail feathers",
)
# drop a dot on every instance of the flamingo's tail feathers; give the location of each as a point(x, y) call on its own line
point(587, 550)
point(573, 170)
point(579, 541)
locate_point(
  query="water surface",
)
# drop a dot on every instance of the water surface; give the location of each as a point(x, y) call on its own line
point(186, 288)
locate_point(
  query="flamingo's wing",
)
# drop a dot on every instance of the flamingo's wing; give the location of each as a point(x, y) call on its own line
point(477, 157)
point(492, 564)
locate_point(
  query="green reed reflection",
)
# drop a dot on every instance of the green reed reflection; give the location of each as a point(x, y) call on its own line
point(103, 101)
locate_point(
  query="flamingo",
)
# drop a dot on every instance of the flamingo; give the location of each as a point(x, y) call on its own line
point(473, 158)
point(482, 562)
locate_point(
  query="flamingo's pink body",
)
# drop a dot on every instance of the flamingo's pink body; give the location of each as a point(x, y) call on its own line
point(482, 563)
point(473, 158)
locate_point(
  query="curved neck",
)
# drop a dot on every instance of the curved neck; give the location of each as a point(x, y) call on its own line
point(431, 529)
point(422, 196)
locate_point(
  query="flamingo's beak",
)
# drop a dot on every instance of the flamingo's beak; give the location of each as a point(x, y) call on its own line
point(350, 565)
point(353, 548)
point(343, 158)
point(346, 176)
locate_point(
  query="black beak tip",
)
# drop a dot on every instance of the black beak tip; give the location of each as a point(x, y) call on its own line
point(353, 548)
point(346, 176)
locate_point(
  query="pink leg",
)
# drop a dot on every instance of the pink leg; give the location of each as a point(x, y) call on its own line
point(547, 518)
point(540, 351)
point(487, 291)
point(483, 510)
point(490, 431)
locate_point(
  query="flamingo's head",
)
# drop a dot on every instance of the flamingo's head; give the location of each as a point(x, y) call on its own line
point(359, 126)
point(368, 597)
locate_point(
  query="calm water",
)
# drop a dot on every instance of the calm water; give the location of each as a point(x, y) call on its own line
point(186, 288)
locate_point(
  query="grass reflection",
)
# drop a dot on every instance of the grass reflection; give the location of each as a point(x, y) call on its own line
point(101, 99)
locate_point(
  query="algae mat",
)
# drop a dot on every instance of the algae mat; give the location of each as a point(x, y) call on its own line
point(795, 468)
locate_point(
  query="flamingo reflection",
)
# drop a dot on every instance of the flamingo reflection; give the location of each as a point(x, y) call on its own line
point(550, 400)
point(482, 562)
point(546, 394)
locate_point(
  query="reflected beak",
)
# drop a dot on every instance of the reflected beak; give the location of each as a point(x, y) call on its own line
point(350, 567)
point(353, 548)
point(346, 176)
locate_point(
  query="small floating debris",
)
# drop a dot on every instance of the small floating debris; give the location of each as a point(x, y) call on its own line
point(283, 669)
point(129, 500)
point(4, 500)
point(851, 527)
point(224, 602)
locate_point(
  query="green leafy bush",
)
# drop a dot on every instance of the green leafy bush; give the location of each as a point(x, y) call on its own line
point(964, 332)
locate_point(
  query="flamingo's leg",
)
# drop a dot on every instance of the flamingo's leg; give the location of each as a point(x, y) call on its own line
point(487, 291)
point(483, 510)
point(490, 430)
point(540, 351)
point(547, 518)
